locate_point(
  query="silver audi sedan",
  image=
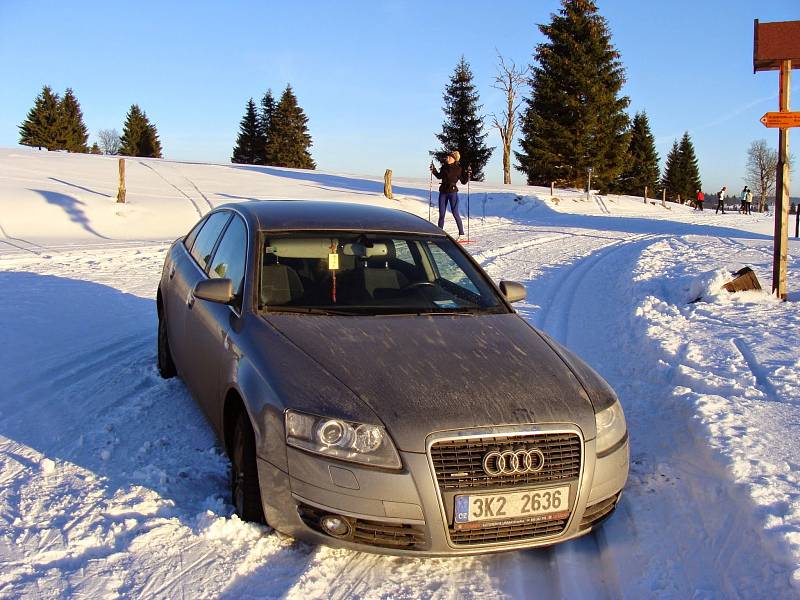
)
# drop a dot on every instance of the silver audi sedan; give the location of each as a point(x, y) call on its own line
point(375, 390)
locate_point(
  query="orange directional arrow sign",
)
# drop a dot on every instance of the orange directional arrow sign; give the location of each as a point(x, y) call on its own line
point(781, 120)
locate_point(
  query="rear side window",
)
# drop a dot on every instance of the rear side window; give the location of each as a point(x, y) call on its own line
point(207, 238)
point(230, 257)
point(189, 240)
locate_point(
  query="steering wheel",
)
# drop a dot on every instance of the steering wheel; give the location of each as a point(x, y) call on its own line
point(419, 284)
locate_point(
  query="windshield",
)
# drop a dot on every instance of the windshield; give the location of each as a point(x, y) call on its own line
point(340, 273)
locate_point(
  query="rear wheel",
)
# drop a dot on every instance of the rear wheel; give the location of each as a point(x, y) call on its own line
point(166, 368)
point(245, 491)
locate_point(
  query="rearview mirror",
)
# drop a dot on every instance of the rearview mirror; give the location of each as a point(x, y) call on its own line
point(214, 290)
point(513, 291)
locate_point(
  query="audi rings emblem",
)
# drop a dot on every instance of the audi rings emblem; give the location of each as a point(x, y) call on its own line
point(513, 462)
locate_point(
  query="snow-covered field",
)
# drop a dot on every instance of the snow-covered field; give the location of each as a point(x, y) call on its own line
point(111, 484)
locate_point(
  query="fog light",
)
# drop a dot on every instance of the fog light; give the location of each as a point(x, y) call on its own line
point(335, 526)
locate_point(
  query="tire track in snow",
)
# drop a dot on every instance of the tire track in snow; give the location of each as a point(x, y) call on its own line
point(192, 183)
point(556, 308)
point(486, 257)
point(84, 363)
point(760, 373)
point(18, 241)
point(180, 191)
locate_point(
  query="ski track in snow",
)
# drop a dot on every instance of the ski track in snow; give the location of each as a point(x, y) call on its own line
point(112, 485)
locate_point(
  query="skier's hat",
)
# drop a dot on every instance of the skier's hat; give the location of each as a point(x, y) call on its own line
point(456, 155)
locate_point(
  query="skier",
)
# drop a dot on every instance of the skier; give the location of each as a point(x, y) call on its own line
point(742, 207)
point(450, 174)
point(699, 202)
point(748, 202)
point(721, 200)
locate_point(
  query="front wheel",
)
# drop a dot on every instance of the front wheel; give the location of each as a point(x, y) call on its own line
point(245, 491)
point(166, 367)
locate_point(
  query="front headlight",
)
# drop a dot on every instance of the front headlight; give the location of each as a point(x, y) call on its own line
point(611, 427)
point(345, 440)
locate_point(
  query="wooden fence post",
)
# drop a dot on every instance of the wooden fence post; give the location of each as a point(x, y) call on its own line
point(552, 188)
point(664, 197)
point(121, 192)
point(645, 194)
point(387, 184)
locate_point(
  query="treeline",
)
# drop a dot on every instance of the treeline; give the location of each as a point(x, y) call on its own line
point(56, 123)
point(572, 120)
point(276, 133)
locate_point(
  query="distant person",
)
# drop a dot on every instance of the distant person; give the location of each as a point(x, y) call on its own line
point(721, 200)
point(698, 204)
point(450, 174)
point(742, 207)
point(748, 202)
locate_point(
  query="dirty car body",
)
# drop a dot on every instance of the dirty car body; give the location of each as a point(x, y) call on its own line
point(376, 390)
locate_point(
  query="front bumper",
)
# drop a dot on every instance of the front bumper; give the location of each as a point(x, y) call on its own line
point(404, 513)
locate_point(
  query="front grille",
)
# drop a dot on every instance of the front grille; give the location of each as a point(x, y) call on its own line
point(489, 535)
point(459, 463)
point(599, 511)
point(374, 533)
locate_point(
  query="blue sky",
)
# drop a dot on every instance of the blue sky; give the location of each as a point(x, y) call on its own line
point(370, 75)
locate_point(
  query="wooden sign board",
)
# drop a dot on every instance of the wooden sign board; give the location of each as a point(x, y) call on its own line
point(774, 43)
point(781, 120)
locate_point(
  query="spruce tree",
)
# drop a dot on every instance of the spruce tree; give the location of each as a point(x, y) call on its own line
point(462, 128)
point(690, 171)
point(139, 135)
point(72, 132)
point(641, 168)
point(95, 149)
point(151, 144)
point(268, 107)
point(681, 174)
point(671, 177)
point(290, 141)
point(40, 127)
point(575, 118)
point(247, 151)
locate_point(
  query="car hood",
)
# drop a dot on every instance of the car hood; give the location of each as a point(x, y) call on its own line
point(426, 374)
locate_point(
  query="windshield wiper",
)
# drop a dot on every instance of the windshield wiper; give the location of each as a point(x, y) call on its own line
point(304, 310)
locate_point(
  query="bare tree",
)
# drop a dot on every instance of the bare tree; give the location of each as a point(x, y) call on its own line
point(109, 141)
point(508, 80)
point(762, 162)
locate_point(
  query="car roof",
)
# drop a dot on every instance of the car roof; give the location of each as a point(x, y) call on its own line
point(315, 215)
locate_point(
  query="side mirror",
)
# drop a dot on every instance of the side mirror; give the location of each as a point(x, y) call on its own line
point(214, 290)
point(513, 291)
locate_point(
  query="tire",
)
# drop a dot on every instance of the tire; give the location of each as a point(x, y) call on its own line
point(166, 367)
point(245, 490)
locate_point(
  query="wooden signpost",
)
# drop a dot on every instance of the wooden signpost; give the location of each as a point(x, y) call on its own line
point(775, 47)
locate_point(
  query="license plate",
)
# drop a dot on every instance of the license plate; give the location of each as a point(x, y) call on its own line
point(528, 506)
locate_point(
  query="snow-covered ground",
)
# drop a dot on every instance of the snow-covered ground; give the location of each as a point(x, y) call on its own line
point(112, 485)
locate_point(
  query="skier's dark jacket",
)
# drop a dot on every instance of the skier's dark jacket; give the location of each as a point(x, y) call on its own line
point(450, 176)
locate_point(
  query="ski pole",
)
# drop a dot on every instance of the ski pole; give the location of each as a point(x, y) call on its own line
point(430, 193)
point(468, 182)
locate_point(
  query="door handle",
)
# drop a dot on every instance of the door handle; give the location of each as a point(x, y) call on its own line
point(190, 300)
point(172, 272)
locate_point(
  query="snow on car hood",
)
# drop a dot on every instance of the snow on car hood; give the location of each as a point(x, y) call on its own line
point(426, 374)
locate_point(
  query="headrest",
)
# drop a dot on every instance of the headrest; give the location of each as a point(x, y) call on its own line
point(280, 285)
